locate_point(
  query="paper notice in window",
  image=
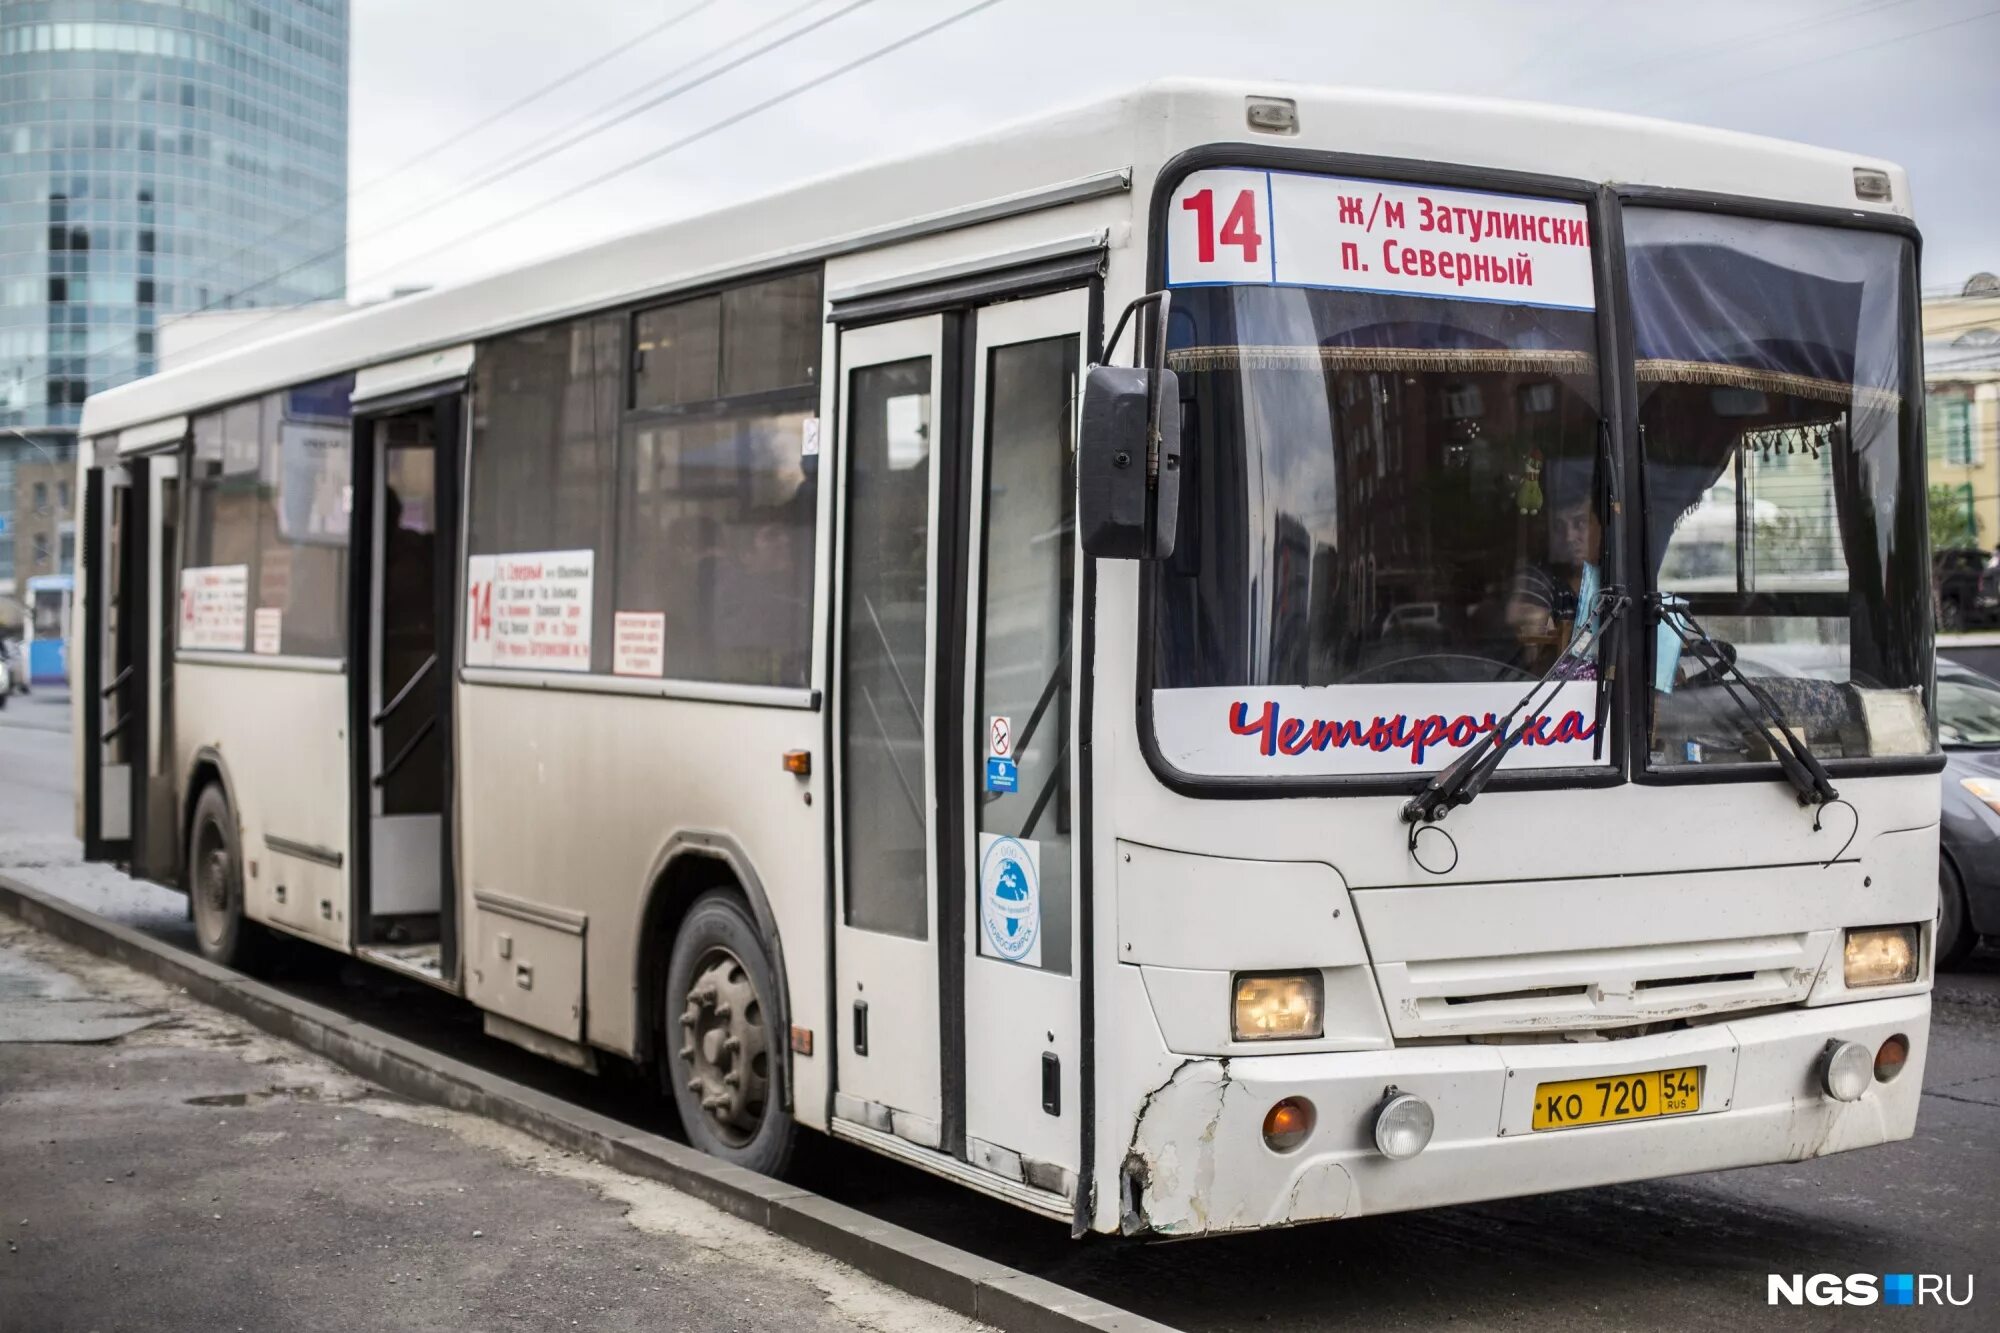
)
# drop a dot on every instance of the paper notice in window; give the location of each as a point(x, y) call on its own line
point(268, 630)
point(530, 611)
point(215, 603)
point(639, 643)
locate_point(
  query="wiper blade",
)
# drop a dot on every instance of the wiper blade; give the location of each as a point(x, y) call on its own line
point(1801, 766)
point(1468, 774)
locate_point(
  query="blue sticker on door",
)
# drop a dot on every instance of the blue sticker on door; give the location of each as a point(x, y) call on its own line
point(1010, 898)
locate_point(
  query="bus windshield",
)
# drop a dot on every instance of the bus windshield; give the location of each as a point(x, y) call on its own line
point(1781, 496)
point(1392, 512)
point(1393, 494)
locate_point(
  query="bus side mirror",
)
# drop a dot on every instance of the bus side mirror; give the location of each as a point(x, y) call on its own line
point(1123, 513)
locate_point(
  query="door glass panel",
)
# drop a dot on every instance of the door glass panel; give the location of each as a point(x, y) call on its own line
point(117, 626)
point(166, 579)
point(409, 611)
point(886, 647)
point(1027, 556)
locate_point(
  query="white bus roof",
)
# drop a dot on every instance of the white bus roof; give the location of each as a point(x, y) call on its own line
point(1069, 154)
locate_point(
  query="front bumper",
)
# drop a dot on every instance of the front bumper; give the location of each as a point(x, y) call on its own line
point(1198, 1162)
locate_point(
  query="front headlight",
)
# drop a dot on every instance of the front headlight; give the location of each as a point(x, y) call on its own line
point(1271, 1006)
point(1880, 956)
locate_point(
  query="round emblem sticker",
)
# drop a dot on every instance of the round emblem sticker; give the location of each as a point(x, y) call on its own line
point(1010, 899)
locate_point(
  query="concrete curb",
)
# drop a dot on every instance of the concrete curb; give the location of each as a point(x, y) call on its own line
point(978, 1288)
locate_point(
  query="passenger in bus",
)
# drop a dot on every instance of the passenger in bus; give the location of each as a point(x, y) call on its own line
point(1549, 605)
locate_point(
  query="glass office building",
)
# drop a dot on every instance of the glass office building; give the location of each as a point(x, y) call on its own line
point(157, 157)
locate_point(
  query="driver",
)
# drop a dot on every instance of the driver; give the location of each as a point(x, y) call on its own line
point(1552, 603)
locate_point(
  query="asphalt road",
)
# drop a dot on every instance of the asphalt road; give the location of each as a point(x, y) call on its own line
point(1686, 1254)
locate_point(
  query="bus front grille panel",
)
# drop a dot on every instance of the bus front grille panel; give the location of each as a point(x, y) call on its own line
point(1596, 989)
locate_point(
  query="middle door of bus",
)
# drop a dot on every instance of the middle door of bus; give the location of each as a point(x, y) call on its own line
point(955, 936)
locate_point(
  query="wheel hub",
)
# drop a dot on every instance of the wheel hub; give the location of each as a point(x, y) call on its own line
point(724, 1054)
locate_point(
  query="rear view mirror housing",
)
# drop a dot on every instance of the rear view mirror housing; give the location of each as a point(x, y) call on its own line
point(1129, 453)
point(1119, 510)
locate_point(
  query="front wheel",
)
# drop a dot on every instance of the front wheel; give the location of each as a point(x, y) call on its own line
point(215, 886)
point(1955, 938)
point(722, 1048)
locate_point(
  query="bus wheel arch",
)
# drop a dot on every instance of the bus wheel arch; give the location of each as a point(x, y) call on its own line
point(700, 881)
point(213, 876)
point(204, 771)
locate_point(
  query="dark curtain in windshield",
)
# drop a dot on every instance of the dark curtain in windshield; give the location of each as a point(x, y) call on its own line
point(1381, 488)
point(1782, 501)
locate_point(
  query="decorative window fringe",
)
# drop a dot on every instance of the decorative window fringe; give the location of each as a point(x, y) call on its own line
point(1467, 360)
point(1662, 370)
point(1547, 361)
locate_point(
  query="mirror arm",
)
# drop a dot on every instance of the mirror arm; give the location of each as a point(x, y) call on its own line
point(1163, 298)
point(1155, 383)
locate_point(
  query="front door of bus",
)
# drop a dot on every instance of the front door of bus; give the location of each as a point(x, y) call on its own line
point(955, 946)
point(885, 719)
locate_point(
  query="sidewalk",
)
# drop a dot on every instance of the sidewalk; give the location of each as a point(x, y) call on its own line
point(164, 1166)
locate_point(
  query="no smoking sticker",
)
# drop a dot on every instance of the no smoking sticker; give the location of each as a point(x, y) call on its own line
point(999, 738)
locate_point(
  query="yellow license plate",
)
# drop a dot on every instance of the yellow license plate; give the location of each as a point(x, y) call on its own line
point(1598, 1101)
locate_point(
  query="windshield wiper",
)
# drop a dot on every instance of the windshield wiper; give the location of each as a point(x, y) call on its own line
point(1801, 766)
point(1468, 774)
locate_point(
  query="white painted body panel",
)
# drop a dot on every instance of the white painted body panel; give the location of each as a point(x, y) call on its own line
point(568, 797)
point(1759, 1104)
point(569, 800)
point(280, 737)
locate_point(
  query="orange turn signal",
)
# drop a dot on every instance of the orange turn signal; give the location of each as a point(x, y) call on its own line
point(799, 762)
point(1890, 1057)
point(1287, 1124)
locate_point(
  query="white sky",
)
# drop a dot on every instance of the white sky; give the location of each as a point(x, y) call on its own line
point(1916, 81)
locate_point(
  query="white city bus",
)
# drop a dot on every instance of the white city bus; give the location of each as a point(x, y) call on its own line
point(801, 650)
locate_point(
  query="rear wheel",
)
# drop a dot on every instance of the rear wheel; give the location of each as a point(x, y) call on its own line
point(1955, 939)
point(215, 886)
point(722, 1049)
point(1951, 614)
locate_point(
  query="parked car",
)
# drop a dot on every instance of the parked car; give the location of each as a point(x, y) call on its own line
point(1969, 851)
point(1966, 583)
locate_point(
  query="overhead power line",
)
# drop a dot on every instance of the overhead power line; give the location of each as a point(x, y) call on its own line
point(1682, 94)
point(697, 136)
point(1737, 41)
point(520, 164)
point(513, 165)
point(597, 61)
point(299, 219)
point(229, 297)
point(522, 150)
point(707, 131)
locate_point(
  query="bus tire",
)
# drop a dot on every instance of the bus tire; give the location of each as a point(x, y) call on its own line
point(1955, 937)
point(215, 886)
point(721, 1050)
